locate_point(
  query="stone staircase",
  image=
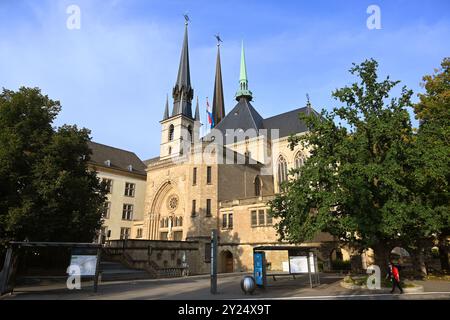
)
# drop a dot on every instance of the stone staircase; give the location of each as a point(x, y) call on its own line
point(118, 264)
point(116, 271)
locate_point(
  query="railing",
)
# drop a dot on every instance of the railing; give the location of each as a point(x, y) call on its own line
point(171, 272)
point(151, 266)
point(168, 272)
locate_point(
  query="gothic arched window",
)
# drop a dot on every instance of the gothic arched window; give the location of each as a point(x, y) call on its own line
point(171, 130)
point(298, 162)
point(191, 138)
point(282, 170)
point(257, 186)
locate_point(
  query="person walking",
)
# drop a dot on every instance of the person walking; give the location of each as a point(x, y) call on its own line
point(394, 274)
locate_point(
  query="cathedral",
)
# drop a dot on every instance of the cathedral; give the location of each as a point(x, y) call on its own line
point(224, 179)
point(221, 180)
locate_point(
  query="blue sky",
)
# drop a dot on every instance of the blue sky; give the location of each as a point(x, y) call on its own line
point(112, 75)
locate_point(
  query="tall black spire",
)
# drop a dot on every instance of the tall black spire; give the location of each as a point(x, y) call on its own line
point(218, 105)
point(182, 92)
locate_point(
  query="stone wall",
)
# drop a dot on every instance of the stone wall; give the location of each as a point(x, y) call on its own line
point(165, 254)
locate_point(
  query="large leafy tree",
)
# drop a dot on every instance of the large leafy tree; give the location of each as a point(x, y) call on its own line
point(355, 184)
point(47, 192)
point(432, 156)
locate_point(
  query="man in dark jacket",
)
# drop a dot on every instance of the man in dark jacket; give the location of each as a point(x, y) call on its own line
point(394, 274)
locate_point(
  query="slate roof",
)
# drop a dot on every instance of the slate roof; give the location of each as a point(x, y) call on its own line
point(120, 159)
point(244, 116)
point(152, 160)
point(288, 122)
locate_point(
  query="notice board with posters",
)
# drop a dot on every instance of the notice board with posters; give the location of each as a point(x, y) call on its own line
point(299, 264)
point(86, 260)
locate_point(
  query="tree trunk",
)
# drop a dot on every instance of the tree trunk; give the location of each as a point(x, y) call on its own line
point(381, 257)
point(443, 253)
point(356, 262)
point(418, 261)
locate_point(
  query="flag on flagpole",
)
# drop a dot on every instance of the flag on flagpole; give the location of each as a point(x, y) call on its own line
point(210, 116)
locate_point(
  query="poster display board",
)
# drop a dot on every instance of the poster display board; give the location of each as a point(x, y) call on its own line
point(86, 263)
point(299, 264)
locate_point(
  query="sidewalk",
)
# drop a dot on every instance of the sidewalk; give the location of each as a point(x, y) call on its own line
point(198, 288)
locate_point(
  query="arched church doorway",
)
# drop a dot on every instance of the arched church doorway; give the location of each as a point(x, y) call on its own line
point(226, 262)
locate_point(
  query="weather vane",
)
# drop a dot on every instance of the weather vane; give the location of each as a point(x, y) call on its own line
point(186, 17)
point(218, 39)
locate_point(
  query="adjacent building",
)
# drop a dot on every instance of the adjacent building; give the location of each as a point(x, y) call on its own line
point(125, 177)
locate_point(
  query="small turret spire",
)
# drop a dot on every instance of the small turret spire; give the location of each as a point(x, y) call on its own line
point(308, 105)
point(166, 110)
point(197, 111)
point(243, 91)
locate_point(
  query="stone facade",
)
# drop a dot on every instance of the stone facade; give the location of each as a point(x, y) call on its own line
point(116, 199)
point(224, 179)
point(252, 227)
point(188, 195)
point(155, 255)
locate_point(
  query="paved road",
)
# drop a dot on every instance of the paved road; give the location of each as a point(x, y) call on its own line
point(197, 288)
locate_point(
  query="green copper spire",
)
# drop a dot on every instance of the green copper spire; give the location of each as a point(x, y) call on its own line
point(243, 76)
point(243, 91)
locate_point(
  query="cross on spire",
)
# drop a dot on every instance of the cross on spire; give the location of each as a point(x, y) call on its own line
point(182, 92)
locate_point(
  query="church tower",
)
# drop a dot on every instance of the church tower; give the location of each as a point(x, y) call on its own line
point(179, 127)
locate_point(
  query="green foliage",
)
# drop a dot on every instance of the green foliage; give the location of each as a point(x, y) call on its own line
point(360, 182)
point(432, 153)
point(47, 192)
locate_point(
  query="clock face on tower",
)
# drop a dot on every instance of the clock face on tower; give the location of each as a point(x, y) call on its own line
point(172, 202)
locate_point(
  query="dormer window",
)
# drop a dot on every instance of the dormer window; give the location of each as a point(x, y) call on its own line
point(130, 168)
point(108, 163)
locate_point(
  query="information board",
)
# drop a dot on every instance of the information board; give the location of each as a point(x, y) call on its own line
point(86, 263)
point(299, 264)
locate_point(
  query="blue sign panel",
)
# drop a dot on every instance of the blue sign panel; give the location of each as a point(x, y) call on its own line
point(258, 268)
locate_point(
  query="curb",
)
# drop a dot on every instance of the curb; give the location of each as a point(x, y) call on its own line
point(350, 286)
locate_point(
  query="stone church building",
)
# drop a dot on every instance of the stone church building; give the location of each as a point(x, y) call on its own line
point(224, 179)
